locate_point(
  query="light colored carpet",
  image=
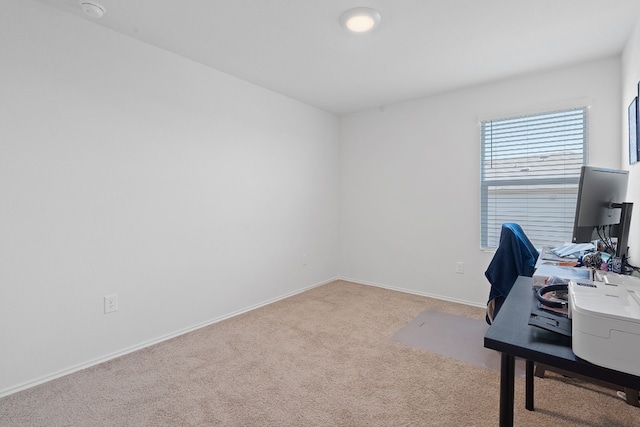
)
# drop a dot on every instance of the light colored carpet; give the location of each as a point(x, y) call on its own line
point(325, 357)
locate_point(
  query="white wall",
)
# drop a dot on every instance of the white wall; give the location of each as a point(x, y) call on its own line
point(127, 170)
point(410, 176)
point(630, 79)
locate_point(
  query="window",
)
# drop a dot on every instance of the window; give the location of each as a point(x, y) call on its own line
point(530, 173)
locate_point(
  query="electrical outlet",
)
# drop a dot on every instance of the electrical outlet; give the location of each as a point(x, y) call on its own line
point(460, 267)
point(110, 303)
point(305, 259)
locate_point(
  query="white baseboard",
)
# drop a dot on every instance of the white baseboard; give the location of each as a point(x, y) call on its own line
point(61, 373)
point(414, 292)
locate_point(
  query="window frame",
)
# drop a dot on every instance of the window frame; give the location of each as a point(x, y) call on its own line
point(486, 184)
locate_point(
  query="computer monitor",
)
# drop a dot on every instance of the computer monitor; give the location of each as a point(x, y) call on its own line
point(601, 210)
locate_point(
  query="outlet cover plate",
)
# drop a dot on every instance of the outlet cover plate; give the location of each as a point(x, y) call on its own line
point(110, 303)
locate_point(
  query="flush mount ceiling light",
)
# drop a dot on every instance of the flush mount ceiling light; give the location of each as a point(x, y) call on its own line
point(360, 19)
point(93, 10)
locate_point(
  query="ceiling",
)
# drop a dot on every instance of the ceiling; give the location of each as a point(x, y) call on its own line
point(421, 47)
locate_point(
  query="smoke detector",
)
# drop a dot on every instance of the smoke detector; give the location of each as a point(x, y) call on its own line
point(93, 10)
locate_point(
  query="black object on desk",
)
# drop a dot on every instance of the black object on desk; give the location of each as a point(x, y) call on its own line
point(550, 321)
point(511, 335)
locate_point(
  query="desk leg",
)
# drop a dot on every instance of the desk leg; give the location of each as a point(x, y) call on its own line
point(529, 386)
point(632, 396)
point(507, 383)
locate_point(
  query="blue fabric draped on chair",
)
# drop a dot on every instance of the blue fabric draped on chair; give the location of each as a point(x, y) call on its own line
point(515, 256)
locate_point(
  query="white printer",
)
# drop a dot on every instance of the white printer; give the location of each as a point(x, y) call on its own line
point(605, 320)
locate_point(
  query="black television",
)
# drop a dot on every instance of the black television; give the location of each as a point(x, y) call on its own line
point(601, 210)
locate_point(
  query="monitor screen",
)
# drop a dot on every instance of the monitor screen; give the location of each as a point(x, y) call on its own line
point(601, 197)
point(599, 189)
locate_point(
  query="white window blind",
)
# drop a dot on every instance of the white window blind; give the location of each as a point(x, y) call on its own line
point(530, 173)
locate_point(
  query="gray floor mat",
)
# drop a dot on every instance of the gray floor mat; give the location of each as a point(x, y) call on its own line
point(454, 336)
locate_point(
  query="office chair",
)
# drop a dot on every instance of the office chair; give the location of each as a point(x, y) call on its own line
point(515, 256)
